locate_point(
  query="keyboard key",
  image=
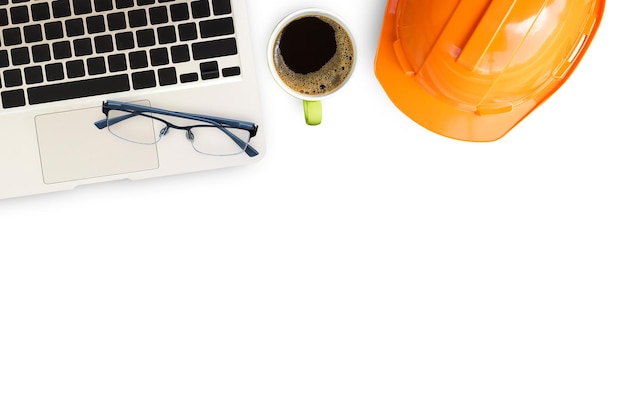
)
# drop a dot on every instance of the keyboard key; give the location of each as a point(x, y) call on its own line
point(159, 57)
point(78, 89)
point(33, 33)
point(53, 30)
point(124, 4)
point(103, 44)
point(4, 59)
point(138, 59)
point(74, 27)
point(54, 72)
point(217, 27)
point(61, 8)
point(61, 50)
point(13, 98)
point(75, 69)
point(200, 9)
point(221, 7)
point(12, 36)
point(189, 77)
point(116, 21)
point(179, 12)
point(158, 15)
point(180, 53)
point(82, 7)
point(33, 75)
point(144, 79)
point(41, 53)
point(209, 70)
point(103, 5)
point(12, 78)
point(40, 11)
point(19, 15)
point(82, 47)
point(95, 24)
point(145, 2)
point(117, 62)
point(124, 41)
point(96, 66)
point(4, 17)
point(137, 18)
point(187, 32)
point(167, 76)
point(166, 35)
point(231, 71)
point(214, 48)
point(20, 56)
point(145, 38)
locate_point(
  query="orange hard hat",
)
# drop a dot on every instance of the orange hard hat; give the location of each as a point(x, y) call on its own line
point(473, 69)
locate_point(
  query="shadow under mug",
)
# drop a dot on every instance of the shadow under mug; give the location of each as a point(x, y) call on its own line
point(311, 55)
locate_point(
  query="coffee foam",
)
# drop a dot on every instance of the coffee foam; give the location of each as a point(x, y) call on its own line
point(328, 78)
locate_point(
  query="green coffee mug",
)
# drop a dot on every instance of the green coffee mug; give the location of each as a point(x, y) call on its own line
point(311, 55)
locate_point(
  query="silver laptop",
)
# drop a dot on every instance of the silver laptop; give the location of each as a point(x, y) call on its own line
point(102, 90)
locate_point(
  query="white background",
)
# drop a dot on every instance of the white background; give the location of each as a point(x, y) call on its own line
point(365, 267)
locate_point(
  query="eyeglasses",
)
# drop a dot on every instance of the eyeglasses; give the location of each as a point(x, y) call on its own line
point(208, 135)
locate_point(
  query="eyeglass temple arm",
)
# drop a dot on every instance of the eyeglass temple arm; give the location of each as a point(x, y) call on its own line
point(101, 124)
point(117, 105)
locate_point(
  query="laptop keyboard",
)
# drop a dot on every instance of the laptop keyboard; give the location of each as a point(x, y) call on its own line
point(65, 49)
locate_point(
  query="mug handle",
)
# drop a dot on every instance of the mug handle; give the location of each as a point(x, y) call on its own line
point(312, 112)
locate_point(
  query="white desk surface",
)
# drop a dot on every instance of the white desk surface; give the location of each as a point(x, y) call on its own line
point(365, 267)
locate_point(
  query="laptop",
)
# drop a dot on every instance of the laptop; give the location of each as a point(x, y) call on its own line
point(61, 60)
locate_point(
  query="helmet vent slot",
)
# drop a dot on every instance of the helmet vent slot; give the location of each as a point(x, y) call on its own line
point(576, 51)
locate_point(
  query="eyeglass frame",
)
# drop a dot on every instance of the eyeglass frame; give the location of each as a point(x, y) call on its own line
point(217, 122)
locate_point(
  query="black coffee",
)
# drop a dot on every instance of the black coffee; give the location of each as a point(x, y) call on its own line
point(313, 55)
point(307, 44)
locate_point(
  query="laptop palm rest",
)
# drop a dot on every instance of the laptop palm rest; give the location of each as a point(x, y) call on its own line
point(72, 148)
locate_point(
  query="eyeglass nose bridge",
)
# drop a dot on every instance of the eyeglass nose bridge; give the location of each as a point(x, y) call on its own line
point(188, 133)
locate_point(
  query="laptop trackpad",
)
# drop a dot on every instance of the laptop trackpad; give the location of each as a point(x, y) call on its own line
point(72, 148)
